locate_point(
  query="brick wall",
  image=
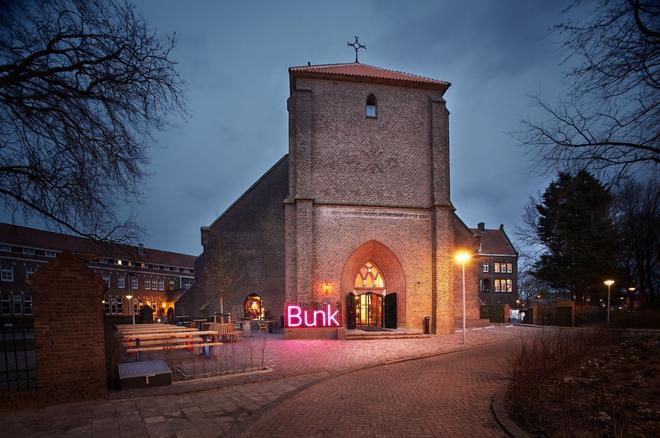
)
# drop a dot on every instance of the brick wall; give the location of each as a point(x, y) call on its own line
point(367, 161)
point(243, 252)
point(70, 345)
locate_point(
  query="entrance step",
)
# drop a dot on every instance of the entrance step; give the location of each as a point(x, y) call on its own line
point(358, 335)
point(472, 323)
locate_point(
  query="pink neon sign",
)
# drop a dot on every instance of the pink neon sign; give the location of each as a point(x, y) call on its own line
point(296, 316)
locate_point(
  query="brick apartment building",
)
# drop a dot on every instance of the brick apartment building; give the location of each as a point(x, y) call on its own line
point(358, 213)
point(497, 265)
point(152, 277)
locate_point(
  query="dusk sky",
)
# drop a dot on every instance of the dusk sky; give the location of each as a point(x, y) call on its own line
point(234, 58)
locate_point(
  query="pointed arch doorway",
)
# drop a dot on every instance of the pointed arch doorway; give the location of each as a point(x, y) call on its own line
point(374, 281)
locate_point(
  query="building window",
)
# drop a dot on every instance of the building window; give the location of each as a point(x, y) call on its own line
point(369, 277)
point(121, 282)
point(485, 285)
point(106, 278)
point(50, 254)
point(5, 248)
point(372, 107)
point(509, 268)
point(186, 283)
point(28, 251)
point(106, 307)
point(27, 304)
point(17, 304)
point(134, 282)
point(496, 267)
point(6, 305)
point(484, 267)
point(7, 273)
point(161, 284)
point(147, 284)
point(114, 306)
point(503, 285)
point(29, 270)
point(253, 306)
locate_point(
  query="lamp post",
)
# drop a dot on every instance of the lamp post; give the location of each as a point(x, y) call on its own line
point(609, 284)
point(130, 303)
point(462, 257)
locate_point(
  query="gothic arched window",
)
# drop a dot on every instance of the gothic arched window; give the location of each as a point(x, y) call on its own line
point(372, 107)
point(369, 277)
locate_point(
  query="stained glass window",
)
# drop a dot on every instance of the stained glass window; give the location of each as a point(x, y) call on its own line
point(369, 277)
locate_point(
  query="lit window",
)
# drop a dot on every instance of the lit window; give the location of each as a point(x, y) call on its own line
point(509, 285)
point(7, 273)
point(496, 267)
point(484, 267)
point(496, 285)
point(369, 277)
point(121, 282)
point(509, 268)
point(252, 306)
point(371, 108)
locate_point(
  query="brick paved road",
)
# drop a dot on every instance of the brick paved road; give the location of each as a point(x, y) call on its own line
point(447, 395)
point(206, 409)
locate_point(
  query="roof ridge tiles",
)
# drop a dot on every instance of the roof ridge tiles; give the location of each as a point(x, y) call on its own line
point(352, 69)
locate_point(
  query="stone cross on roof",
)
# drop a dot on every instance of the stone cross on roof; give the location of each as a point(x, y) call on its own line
point(356, 46)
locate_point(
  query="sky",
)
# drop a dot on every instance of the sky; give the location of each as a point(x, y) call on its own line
point(234, 56)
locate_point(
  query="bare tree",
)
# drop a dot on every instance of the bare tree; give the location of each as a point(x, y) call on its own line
point(83, 84)
point(637, 215)
point(609, 119)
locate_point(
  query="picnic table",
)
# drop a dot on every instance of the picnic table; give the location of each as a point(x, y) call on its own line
point(157, 337)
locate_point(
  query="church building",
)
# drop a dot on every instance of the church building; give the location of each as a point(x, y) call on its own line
point(356, 218)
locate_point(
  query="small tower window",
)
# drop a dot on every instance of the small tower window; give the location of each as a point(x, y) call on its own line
point(372, 111)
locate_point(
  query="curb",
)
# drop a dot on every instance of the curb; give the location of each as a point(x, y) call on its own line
point(502, 418)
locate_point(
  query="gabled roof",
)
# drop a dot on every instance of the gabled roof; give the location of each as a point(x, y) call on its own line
point(40, 239)
point(495, 242)
point(366, 73)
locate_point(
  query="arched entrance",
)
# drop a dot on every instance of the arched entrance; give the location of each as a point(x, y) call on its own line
point(252, 306)
point(369, 290)
point(374, 285)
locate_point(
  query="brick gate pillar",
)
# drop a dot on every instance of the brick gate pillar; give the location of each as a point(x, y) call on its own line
point(69, 331)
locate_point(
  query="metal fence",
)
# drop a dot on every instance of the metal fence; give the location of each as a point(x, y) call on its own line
point(17, 355)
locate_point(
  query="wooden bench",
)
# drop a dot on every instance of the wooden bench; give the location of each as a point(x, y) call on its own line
point(172, 347)
point(226, 331)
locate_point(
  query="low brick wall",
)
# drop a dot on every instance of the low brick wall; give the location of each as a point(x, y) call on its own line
point(314, 333)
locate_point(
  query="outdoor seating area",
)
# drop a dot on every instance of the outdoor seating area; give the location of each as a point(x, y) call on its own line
point(164, 337)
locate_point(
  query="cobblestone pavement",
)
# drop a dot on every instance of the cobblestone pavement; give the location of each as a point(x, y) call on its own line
point(446, 395)
point(213, 407)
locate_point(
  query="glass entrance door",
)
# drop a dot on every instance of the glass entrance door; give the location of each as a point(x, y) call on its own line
point(369, 310)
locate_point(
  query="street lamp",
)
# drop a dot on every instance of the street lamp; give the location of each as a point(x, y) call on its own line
point(462, 257)
point(130, 304)
point(609, 284)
